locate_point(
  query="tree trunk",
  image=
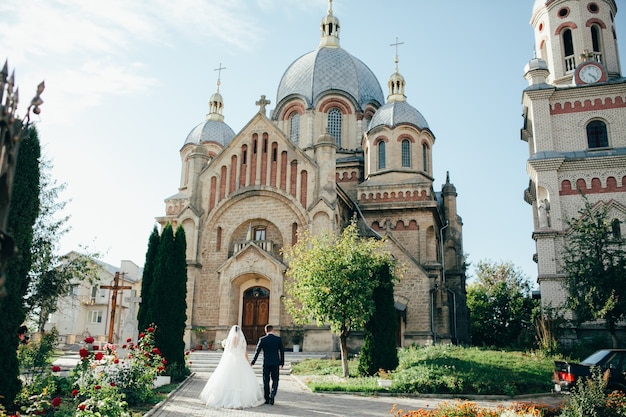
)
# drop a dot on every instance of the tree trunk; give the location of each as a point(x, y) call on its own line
point(343, 346)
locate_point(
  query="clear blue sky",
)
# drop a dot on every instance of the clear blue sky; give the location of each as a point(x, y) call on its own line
point(127, 80)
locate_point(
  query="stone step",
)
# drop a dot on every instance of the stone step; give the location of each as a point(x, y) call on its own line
point(206, 361)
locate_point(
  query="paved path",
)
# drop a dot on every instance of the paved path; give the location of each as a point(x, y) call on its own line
point(295, 399)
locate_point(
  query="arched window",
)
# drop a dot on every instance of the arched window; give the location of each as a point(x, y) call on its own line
point(381, 155)
point(596, 42)
point(425, 157)
point(334, 125)
point(406, 153)
point(294, 128)
point(568, 50)
point(616, 229)
point(597, 136)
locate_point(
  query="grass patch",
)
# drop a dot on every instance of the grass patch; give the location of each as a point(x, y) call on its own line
point(441, 370)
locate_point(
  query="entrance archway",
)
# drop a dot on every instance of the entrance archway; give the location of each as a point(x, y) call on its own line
point(255, 315)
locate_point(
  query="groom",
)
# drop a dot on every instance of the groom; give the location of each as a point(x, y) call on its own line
point(273, 361)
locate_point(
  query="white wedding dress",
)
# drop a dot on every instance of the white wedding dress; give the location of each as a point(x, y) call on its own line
point(233, 384)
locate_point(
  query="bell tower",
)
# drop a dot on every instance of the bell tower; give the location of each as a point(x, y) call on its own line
point(570, 32)
point(574, 111)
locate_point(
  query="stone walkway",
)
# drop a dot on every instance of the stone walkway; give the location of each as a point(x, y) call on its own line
point(295, 399)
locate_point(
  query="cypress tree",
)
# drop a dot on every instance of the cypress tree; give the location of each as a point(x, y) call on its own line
point(23, 212)
point(144, 315)
point(379, 347)
point(168, 295)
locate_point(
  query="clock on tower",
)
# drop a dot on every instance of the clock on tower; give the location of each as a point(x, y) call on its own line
point(589, 72)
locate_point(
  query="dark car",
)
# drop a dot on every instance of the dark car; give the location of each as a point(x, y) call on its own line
point(566, 374)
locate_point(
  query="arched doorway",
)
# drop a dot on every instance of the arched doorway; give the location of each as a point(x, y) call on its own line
point(256, 307)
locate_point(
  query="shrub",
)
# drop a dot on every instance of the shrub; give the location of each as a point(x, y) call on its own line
point(588, 398)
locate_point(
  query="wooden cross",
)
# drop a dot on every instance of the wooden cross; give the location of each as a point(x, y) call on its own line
point(115, 288)
point(262, 103)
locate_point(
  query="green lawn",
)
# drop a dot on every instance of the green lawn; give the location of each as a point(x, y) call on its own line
point(442, 370)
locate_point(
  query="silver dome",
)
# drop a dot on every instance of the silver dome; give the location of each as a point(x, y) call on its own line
point(396, 113)
point(211, 131)
point(324, 69)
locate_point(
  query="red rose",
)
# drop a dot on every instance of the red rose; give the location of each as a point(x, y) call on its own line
point(75, 392)
point(116, 360)
point(56, 368)
point(56, 401)
point(161, 368)
point(129, 340)
point(164, 361)
point(150, 329)
point(123, 346)
point(83, 353)
point(141, 335)
point(112, 384)
point(81, 407)
point(89, 340)
point(95, 347)
point(99, 356)
point(156, 351)
point(97, 387)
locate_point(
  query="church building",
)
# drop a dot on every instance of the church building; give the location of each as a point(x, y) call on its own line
point(334, 147)
point(574, 112)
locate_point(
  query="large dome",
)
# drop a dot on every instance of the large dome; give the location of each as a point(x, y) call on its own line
point(329, 69)
point(396, 113)
point(211, 131)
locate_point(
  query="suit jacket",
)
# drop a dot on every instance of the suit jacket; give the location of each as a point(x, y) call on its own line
point(273, 350)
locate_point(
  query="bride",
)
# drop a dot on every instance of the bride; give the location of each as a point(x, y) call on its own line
point(233, 384)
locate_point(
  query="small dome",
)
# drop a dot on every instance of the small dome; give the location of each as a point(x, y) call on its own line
point(535, 64)
point(329, 69)
point(396, 113)
point(211, 131)
point(325, 139)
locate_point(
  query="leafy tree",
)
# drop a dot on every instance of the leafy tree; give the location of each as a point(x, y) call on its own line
point(501, 305)
point(169, 288)
point(594, 262)
point(52, 275)
point(333, 281)
point(24, 209)
point(379, 349)
point(144, 316)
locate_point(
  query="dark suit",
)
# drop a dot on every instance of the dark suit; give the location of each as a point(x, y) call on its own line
point(273, 359)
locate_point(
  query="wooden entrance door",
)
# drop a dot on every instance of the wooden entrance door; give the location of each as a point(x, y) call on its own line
point(256, 307)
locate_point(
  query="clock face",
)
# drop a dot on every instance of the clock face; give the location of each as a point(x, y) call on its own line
point(590, 73)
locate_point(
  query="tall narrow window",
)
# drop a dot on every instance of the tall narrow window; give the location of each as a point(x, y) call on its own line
point(596, 43)
point(616, 229)
point(406, 153)
point(381, 155)
point(425, 157)
point(596, 135)
point(294, 128)
point(334, 125)
point(568, 49)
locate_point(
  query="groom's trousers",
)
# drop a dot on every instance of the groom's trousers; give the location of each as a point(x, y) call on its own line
point(273, 372)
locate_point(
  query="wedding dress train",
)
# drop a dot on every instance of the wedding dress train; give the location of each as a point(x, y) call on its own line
point(233, 384)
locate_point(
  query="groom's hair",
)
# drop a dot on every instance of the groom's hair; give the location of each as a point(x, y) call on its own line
point(268, 328)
